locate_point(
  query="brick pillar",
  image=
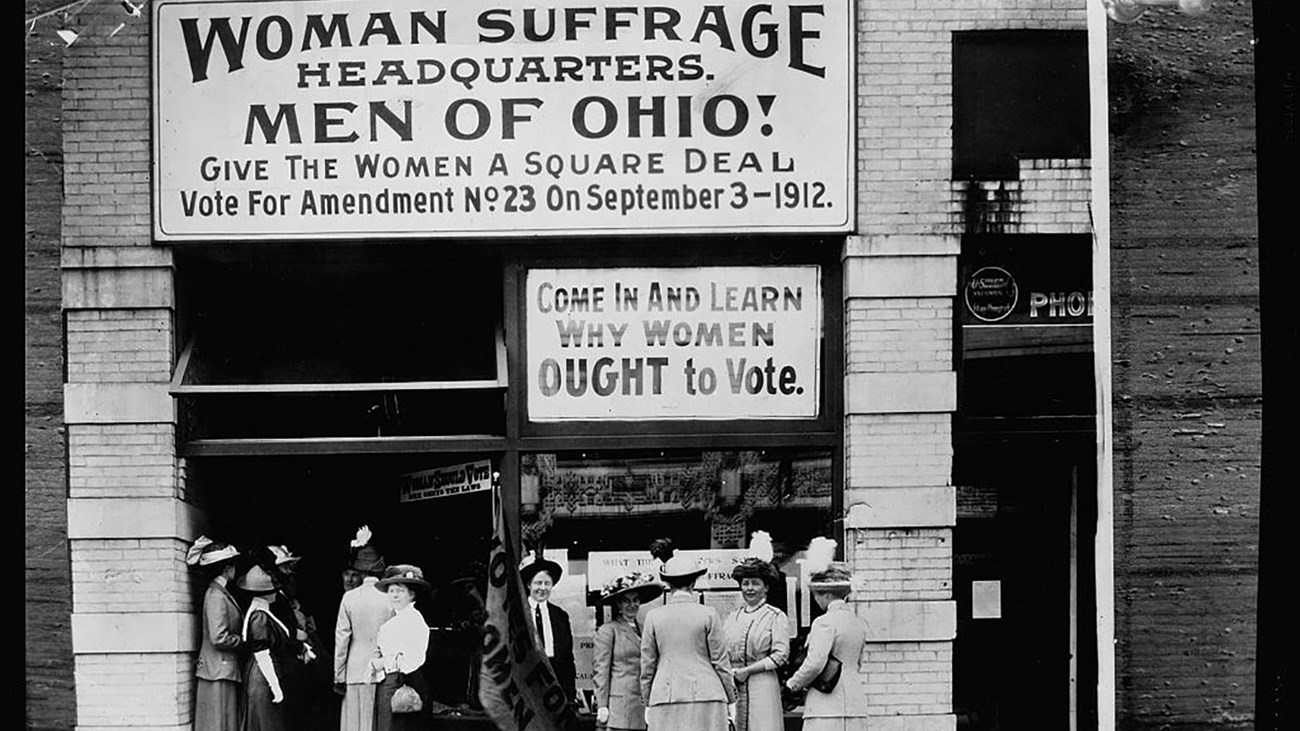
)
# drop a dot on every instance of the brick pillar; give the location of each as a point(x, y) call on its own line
point(900, 391)
point(134, 628)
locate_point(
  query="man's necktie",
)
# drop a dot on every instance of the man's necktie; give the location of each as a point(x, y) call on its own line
point(541, 633)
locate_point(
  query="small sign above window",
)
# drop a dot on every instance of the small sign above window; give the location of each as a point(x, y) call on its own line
point(446, 481)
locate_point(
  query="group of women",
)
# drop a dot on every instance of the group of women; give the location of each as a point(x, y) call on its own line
point(681, 666)
point(257, 647)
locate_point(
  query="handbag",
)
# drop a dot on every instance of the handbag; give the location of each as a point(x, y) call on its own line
point(829, 676)
point(406, 700)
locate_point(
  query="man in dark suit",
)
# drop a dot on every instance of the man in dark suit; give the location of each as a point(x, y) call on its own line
point(555, 635)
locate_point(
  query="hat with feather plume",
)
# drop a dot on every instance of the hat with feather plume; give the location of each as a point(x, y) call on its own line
point(365, 557)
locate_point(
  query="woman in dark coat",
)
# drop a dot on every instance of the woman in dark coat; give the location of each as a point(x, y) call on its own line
point(217, 687)
point(271, 659)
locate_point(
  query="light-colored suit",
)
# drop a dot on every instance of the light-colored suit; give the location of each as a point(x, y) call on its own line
point(839, 631)
point(617, 674)
point(222, 620)
point(684, 654)
point(361, 613)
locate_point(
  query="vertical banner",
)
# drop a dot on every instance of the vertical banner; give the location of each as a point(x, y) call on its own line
point(517, 687)
point(630, 344)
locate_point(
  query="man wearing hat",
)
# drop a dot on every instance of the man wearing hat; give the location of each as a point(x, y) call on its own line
point(554, 633)
point(362, 612)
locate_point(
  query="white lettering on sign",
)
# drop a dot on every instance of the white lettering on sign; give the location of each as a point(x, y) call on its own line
point(446, 481)
point(673, 343)
point(1060, 304)
point(407, 118)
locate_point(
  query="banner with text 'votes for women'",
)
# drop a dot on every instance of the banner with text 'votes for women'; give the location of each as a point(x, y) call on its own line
point(517, 686)
point(670, 343)
point(284, 119)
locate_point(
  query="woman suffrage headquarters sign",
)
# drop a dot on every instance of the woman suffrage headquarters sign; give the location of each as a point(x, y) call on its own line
point(409, 118)
point(673, 343)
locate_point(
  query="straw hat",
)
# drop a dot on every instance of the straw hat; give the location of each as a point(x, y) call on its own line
point(283, 557)
point(256, 581)
point(681, 568)
point(402, 573)
point(835, 576)
point(643, 586)
point(205, 552)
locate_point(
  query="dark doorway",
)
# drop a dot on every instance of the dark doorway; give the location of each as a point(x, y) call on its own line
point(1016, 537)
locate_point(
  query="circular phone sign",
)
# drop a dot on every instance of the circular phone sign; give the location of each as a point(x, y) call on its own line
point(991, 294)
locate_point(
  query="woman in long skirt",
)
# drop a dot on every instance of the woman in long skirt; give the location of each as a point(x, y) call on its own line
point(758, 642)
point(402, 645)
point(217, 674)
point(271, 660)
point(686, 678)
point(839, 632)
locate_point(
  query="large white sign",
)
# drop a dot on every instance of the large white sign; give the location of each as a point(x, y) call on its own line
point(673, 343)
point(407, 118)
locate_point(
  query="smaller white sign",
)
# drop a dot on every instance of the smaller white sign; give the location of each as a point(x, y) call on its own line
point(446, 481)
point(605, 566)
point(986, 600)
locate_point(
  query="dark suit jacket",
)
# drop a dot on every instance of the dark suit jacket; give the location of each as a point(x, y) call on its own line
point(565, 671)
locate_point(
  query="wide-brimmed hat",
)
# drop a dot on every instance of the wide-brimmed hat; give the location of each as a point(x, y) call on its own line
point(681, 568)
point(834, 576)
point(757, 568)
point(206, 552)
point(402, 573)
point(643, 586)
point(532, 566)
point(256, 581)
point(284, 558)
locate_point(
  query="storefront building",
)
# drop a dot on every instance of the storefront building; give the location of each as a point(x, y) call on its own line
point(643, 271)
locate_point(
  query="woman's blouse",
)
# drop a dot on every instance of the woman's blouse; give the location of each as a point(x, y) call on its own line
point(406, 638)
point(759, 634)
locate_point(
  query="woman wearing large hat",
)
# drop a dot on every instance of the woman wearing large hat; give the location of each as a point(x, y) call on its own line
point(401, 647)
point(616, 663)
point(551, 623)
point(217, 676)
point(758, 642)
point(838, 633)
point(269, 703)
point(686, 678)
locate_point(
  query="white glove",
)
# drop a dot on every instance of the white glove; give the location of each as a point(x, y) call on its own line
point(647, 716)
point(602, 716)
point(731, 712)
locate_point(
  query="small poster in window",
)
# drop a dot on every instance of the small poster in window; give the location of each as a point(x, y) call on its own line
point(439, 482)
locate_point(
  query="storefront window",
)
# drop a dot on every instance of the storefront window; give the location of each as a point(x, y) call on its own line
point(598, 512)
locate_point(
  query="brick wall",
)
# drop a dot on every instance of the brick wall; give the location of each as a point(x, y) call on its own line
point(1187, 389)
point(133, 627)
point(49, 701)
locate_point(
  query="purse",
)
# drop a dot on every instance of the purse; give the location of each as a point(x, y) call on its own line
point(829, 676)
point(406, 700)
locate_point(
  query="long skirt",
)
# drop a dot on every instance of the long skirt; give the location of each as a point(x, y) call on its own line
point(358, 708)
point(697, 716)
point(260, 713)
point(216, 705)
point(758, 703)
point(385, 719)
